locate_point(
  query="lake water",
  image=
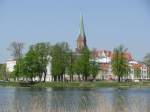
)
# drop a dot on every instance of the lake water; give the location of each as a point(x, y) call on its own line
point(74, 100)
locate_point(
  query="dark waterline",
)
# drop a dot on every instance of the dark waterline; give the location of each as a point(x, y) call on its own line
point(74, 100)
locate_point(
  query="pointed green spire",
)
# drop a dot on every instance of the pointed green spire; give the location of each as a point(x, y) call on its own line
point(82, 33)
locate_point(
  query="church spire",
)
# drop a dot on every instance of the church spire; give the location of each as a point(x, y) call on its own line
point(81, 40)
point(82, 33)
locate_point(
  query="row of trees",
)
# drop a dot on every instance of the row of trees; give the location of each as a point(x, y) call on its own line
point(63, 62)
point(34, 63)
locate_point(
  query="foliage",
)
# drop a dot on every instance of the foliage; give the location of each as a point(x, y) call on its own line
point(148, 71)
point(94, 68)
point(18, 69)
point(120, 66)
point(31, 65)
point(84, 63)
point(77, 67)
point(28, 66)
point(34, 63)
point(147, 62)
point(137, 71)
point(70, 65)
point(42, 51)
point(63, 61)
point(147, 59)
point(59, 60)
point(3, 74)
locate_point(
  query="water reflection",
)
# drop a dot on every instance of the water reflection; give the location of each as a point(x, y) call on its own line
point(74, 100)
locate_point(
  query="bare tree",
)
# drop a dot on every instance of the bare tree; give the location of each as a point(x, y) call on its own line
point(16, 48)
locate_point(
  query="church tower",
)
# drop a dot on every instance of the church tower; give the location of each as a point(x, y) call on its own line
point(81, 40)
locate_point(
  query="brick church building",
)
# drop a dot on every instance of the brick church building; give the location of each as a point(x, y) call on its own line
point(81, 40)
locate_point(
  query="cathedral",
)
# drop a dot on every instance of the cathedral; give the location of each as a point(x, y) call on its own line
point(81, 40)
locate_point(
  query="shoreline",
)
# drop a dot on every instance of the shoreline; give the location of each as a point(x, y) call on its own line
point(98, 84)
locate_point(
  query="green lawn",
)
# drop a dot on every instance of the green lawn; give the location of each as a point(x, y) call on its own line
point(98, 84)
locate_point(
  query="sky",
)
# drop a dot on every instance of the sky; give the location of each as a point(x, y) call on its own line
point(108, 23)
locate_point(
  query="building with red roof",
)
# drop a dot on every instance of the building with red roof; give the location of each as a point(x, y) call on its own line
point(104, 58)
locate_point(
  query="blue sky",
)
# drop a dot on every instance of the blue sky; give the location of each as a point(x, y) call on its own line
point(108, 23)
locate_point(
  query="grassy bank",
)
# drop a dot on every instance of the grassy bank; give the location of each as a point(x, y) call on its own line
point(99, 84)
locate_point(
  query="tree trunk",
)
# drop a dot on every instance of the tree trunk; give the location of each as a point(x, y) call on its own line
point(52, 78)
point(119, 79)
point(85, 78)
point(61, 77)
point(72, 78)
point(45, 73)
point(79, 79)
point(31, 79)
point(40, 77)
point(94, 77)
point(64, 78)
point(55, 78)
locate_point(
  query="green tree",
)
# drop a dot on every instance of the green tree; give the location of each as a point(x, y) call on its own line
point(59, 60)
point(56, 69)
point(70, 65)
point(137, 71)
point(42, 51)
point(17, 70)
point(82, 64)
point(3, 74)
point(77, 67)
point(94, 69)
point(85, 63)
point(148, 71)
point(147, 62)
point(147, 59)
point(29, 66)
point(120, 66)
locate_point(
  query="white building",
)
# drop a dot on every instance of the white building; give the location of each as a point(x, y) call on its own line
point(10, 65)
point(104, 58)
point(143, 70)
point(10, 68)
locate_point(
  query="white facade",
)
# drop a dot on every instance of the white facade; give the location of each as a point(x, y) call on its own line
point(103, 58)
point(143, 69)
point(10, 68)
point(10, 65)
point(144, 72)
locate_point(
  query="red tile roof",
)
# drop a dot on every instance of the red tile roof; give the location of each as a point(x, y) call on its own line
point(98, 53)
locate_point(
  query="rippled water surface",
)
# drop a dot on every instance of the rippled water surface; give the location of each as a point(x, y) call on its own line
point(74, 100)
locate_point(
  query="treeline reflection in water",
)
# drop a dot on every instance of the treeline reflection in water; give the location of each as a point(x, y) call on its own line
point(74, 100)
